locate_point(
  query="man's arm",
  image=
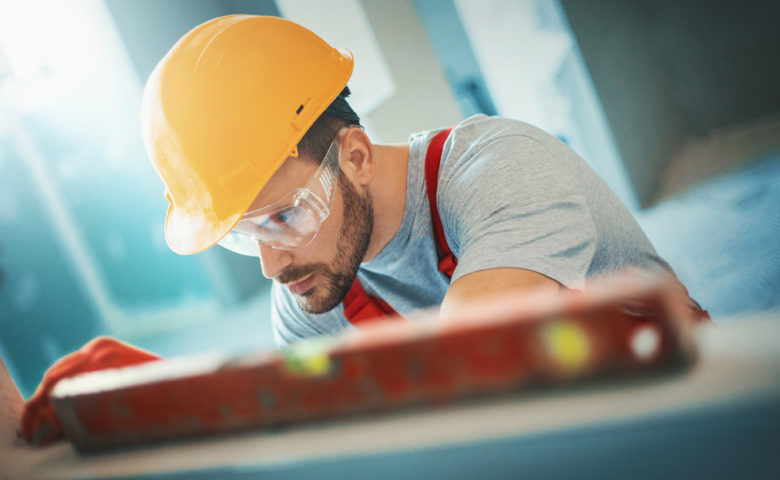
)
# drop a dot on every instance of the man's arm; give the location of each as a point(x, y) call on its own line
point(516, 215)
point(492, 282)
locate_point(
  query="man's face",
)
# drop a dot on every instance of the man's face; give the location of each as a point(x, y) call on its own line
point(320, 274)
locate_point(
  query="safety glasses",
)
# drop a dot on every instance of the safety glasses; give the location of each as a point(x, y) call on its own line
point(293, 221)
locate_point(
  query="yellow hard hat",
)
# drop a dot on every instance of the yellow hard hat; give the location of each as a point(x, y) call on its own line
point(224, 109)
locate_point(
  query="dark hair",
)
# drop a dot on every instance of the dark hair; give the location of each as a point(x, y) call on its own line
point(318, 138)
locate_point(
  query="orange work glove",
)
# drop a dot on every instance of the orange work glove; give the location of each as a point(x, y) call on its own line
point(39, 423)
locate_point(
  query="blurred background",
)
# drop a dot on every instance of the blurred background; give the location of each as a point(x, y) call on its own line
point(675, 104)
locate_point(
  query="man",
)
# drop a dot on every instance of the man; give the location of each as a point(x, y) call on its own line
point(247, 122)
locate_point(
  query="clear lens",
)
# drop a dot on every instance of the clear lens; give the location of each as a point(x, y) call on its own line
point(287, 228)
point(292, 222)
point(290, 226)
point(239, 243)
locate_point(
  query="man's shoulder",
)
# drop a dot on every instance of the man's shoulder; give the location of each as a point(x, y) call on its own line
point(483, 128)
point(482, 121)
point(481, 141)
point(481, 145)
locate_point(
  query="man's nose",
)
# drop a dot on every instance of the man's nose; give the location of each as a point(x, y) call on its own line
point(272, 260)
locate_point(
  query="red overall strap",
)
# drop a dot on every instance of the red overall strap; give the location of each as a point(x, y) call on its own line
point(360, 307)
point(447, 261)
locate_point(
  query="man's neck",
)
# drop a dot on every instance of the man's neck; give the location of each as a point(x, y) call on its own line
point(388, 195)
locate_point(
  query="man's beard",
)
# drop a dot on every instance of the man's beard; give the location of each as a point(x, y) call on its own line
point(358, 223)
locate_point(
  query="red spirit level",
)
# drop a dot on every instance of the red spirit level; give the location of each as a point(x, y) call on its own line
point(627, 326)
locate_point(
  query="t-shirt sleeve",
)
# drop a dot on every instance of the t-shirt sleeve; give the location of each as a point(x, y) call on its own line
point(511, 203)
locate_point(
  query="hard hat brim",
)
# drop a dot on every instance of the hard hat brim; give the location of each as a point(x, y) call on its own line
point(187, 234)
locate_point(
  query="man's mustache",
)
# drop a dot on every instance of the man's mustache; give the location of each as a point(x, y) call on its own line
point(295, 273)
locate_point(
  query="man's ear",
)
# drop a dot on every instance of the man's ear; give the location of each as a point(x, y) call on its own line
point(357, 159)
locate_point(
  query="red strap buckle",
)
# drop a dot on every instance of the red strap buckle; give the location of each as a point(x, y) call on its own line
point(447, 265)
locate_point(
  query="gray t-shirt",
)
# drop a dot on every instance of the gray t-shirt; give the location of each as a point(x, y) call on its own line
point(509, 195)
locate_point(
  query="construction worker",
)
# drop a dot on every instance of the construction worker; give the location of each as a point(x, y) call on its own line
point(247, 122)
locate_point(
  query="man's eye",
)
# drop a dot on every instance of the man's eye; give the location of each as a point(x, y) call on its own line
point(277, 221)
point(269, 223)
point(281, 217)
